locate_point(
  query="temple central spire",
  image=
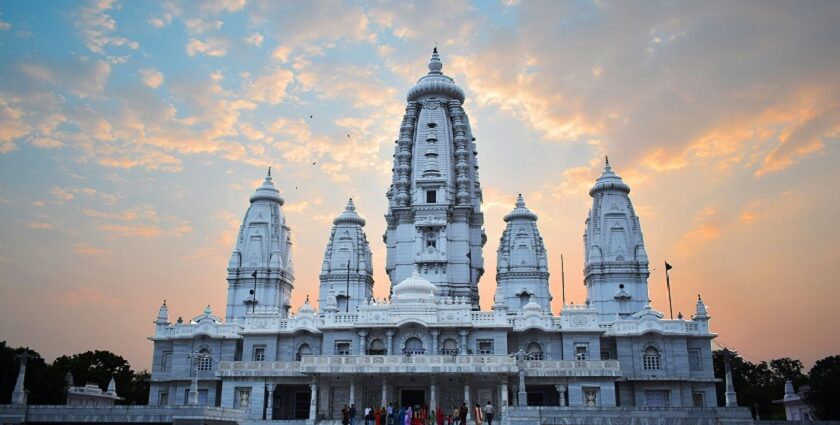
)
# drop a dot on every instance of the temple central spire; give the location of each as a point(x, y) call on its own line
point(434, 216)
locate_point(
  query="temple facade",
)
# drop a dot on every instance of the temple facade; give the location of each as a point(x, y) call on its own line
point(429, 342)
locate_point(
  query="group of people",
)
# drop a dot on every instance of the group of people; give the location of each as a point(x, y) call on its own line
point(418, 415)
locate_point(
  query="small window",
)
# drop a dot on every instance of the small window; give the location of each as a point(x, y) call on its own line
point(450, 347)
point(651, 360)
point(243, 397)
point(205, 361)
point(605, 355)
point(342, 348)
point(431, 196)
point(524, 299)
point(377, 348)
point(694, 362)
point(166, 361)
point(581, 351)
point(163, 398)
point(657, 398)
point(413, 346)
point(304, 350)
point(535, 351)
point(485, 346)
point(259, 354)
point(698, 399)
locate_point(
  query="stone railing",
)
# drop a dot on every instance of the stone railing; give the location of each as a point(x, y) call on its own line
point(572, 368)
point(409, 364)
point(184, 330)
point(289, 369)
point(118, 414)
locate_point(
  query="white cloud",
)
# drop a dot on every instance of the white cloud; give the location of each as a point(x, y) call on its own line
point(255, 39)
point(151, 77)
point(97, 27)
point(212, 47)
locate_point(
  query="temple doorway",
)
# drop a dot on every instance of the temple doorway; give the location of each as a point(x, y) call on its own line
point(412, 397)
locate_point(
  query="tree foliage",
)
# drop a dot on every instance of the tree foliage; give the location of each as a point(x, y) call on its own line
point(824, 378)
point(759, 384)
point(46, 384)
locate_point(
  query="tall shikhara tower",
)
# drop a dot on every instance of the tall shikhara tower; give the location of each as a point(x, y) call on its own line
point(434, 211)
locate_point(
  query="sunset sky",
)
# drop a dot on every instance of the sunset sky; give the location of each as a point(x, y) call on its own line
point(132, 134)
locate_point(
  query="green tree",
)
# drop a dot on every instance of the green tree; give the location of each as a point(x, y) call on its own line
point(44, 385)
point(98, 367)
point(824, 378)
point(759, 384)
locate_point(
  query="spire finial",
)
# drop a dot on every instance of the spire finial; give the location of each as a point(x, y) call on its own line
point(269, 171)
point(435, 65)
point(520, 201)
point(307, 299)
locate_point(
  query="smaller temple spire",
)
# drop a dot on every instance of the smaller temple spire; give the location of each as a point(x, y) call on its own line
point(435, 65)
point(163, 315)
point(112, 387)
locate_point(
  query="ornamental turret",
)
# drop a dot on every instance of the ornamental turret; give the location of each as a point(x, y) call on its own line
point(347, 272)
point(521, 261)
point(260, 271)
point(615, 262)
point(434, 215)
point(163, 315)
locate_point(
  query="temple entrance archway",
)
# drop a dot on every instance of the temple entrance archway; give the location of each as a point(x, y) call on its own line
point(412, 397)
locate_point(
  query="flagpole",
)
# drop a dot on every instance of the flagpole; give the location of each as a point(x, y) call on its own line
point(668, 284)
point(563, 278)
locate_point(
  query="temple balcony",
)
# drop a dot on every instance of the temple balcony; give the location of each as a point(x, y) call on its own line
point(422, 363)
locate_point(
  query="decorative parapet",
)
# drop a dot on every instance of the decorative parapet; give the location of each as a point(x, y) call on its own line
point(572, 368)
point(283, 369)
point(503, 364)
point(190, 330)
point(665, 327)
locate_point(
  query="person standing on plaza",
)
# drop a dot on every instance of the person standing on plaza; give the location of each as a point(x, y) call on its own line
point(345, 415)
point(390, 418)
point(368, 415)
point(409, 415)
point(489, 411)
point(352, 413)
point(463, 412)
point(478, 416)
point(439, 415)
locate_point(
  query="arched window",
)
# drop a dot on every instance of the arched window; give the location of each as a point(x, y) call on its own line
point(524, 298)
point(534, 351)
point(205, 360)
point(303, 350)
point(651, 360)
point(413, 345)
point(450, 347)
point(377, 348)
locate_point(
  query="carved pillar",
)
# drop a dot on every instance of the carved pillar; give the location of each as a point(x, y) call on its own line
point(269, 410)
point(352, 391)
point(523, 395)
point(467, 397)
point(463, 348)
point(433, 399)
point(313, 399)
point(384, 392)
point(389, 344)
point(561, 389)
point(362, 342)
point(435, 334)
point(503, 396)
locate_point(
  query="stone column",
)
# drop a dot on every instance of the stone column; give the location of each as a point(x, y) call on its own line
point(561, 389)
point(435, 333)
point(523, 395)
point(19, 393)
point(313, 399)
point(384, 392)
point(467, 398)
point(269, 409)
point(352, 392)
point(362, 342)
point(731, 397)
point(389, 344)
point(463, 348)
point(503, 397)
point(433, 399)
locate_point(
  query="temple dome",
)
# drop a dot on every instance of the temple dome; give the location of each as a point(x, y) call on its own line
point(609, 181)
point(306, 308)
point(414, 287)
point(435, 83)
point(532, 308)
point(267, 192)
point(349, 215)
point(521, 211)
